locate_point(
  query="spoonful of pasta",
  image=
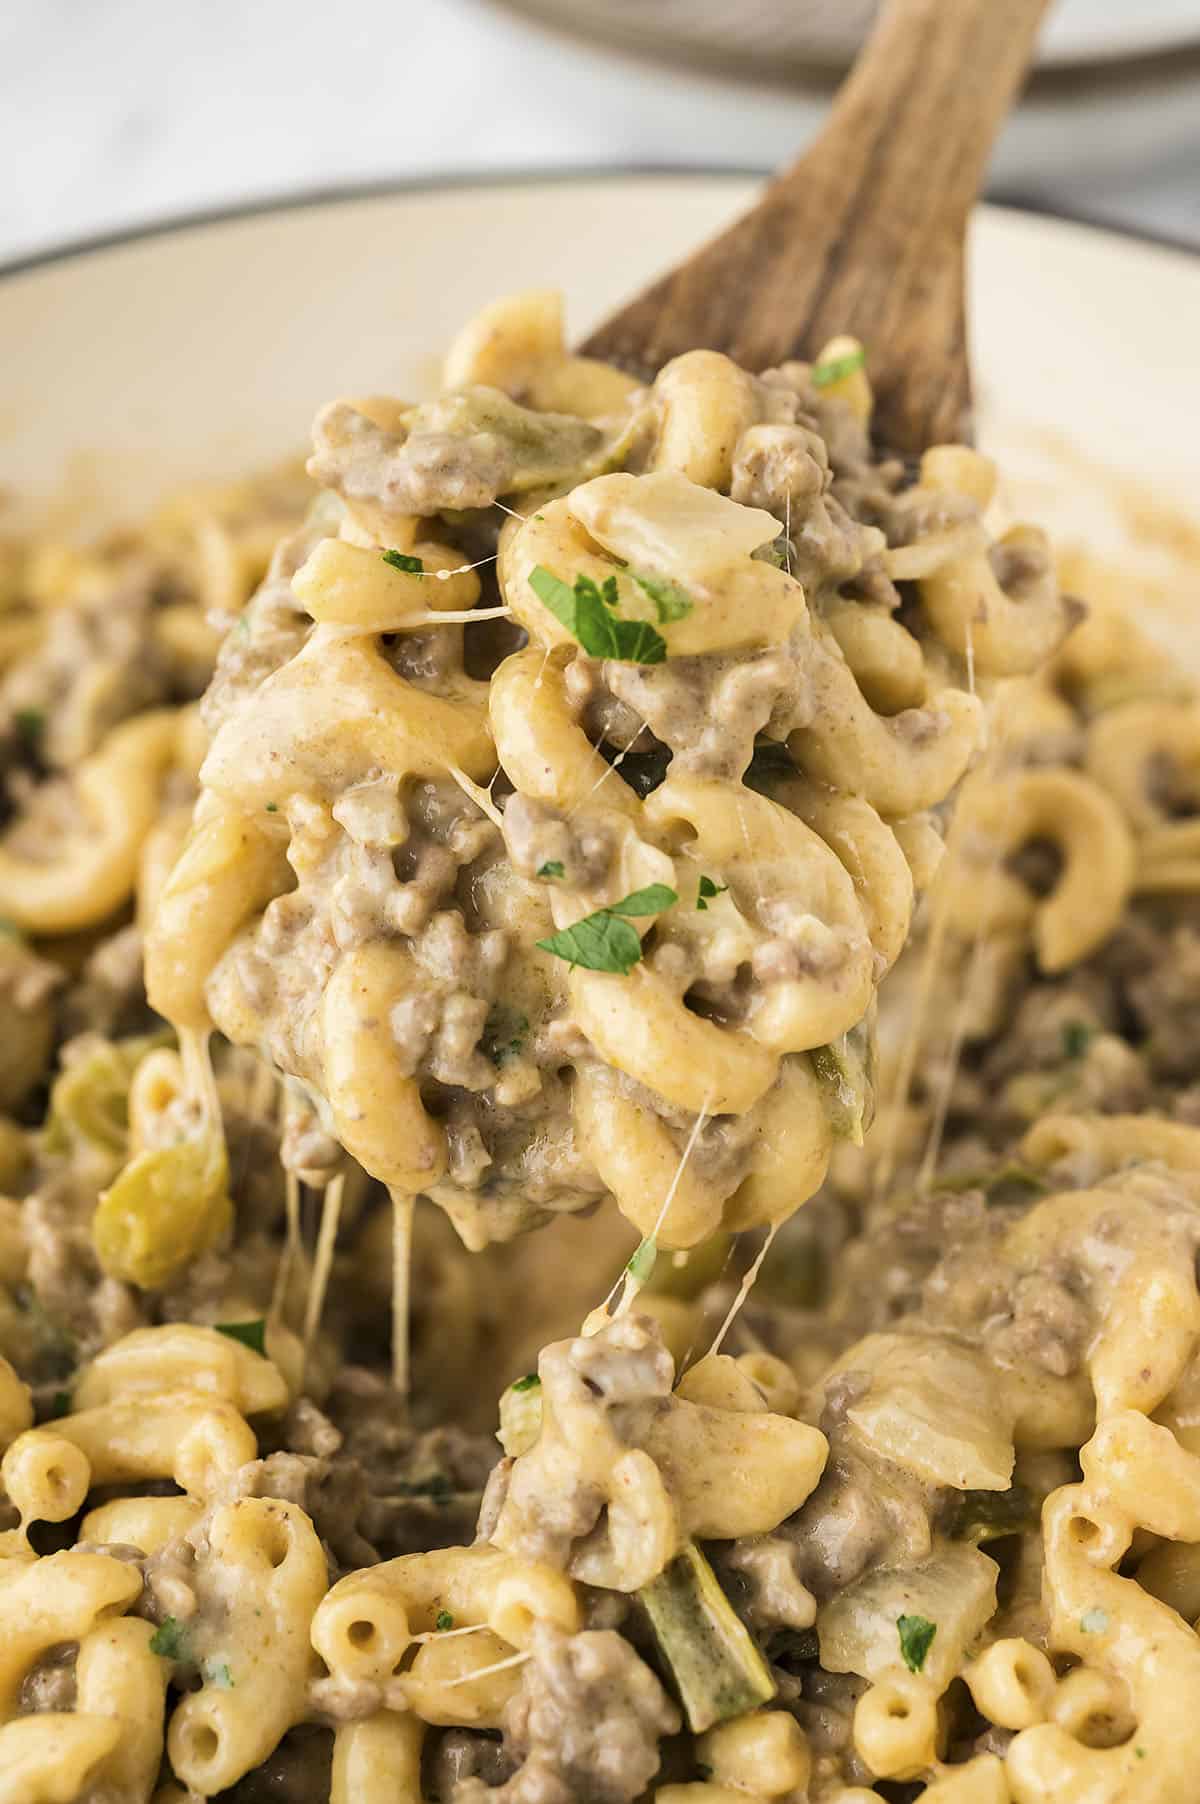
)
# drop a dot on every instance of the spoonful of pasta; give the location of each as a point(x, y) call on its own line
point(865, 233)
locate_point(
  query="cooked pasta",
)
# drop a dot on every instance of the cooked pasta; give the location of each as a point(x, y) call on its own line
point(514, 920)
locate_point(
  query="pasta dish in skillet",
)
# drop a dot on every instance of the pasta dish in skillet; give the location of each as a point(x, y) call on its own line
point(442, 895)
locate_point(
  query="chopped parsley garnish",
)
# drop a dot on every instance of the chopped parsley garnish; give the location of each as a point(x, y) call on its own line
point(604, 942)
point(170, 1640)
point(552, 868)
point(504, 1033)
point(251, 1334)
point(587, 612)
point(709, 889)
point(217, 1673)
point(833, 369)
point(642, 1260)
point(916, 1638)
point(29, 722)
point(10, 928)
point(1077, 1036)
point(401, 560)
point(272, 807)
point(530, 1382)
point(1094, 1622)
point(671, 600)
point(60, 1405)
point(443, 1621)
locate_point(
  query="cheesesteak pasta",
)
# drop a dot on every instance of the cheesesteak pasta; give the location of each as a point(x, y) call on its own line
point(573, 758)
point(492, 877)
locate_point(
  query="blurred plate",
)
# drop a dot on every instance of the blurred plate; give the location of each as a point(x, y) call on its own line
point(824, 34)
point(205, 347)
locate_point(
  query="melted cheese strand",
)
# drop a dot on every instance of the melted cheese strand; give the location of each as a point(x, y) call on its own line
point(485, 1672)
point(292, 1252)
point(402, 1220)
point(200, 1081)
point(480, 797)
point(747, 1285)
point(331, 1210)
point(941, 1107)
point(635, 1285)
point(454, 616)
point(606, 771)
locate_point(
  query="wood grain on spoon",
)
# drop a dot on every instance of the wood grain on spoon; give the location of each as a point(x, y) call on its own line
point(865, 233)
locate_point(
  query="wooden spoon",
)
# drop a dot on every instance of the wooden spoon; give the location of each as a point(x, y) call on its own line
point(865, 233)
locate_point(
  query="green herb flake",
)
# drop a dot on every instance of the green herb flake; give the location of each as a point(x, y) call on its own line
point(504, 1034)
point(1139, 1753)
point(242, 623)
point(29, 722)
point(649, 901)
point(586, 612)
point(251, 1334)
point(1094, 1621)
point(60, 1405)
point(401, 560)
point(551, 870)
point(834, 369)
point(443, 1621)
point(10, 928)
point(530, 1382)
point(601, 941)
point(1077, 1036)
point(272, 807)
point(170, 1639)
point(709, 889)
point(916, 1638)
point(217, 1673)
point(671, 600)
point(641, 1262)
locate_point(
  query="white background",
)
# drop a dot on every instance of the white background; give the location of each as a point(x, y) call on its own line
point(113, 112)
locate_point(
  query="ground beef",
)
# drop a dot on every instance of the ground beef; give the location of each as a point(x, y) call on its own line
point(857, 1517)
point(50, 1682)
point(709, 710)
point(619, 1378)
point(415, 1489)
point(456, 453)
point(461, 1755)
point(537, 834)
point(82, 1309)
point(111, 998)
point(298, 1772)
point(28, 986)
point(585, 1724)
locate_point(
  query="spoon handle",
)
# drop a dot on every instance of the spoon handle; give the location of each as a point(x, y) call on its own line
point(864, 233)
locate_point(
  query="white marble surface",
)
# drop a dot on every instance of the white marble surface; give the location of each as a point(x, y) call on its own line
point(114, 112)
